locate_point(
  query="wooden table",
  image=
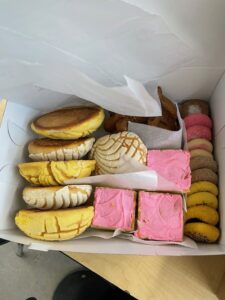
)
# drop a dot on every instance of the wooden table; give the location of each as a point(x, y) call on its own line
point(154, 277)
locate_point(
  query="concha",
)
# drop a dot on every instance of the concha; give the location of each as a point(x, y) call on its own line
point(55, 197)
point(52, 150)
point(109, 150)
point(54, 225)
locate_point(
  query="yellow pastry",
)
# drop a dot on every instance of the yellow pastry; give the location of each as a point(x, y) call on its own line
point(202, 198)
point(201, 232)
point(203, 213)
point(48, 149)
point(55, 172)
point(55, 197)
point(69, 123)
point(54, 225)
point(109, 150)
point(204, 186)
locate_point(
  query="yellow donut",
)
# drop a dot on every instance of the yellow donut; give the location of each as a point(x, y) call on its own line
point(200, 152)
point(203, 213)
point(202, 198)
point(201, 232)
point(204, 186)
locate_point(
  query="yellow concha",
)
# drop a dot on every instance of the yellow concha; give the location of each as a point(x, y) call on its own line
point(202, 198)
point(53, 225)
point(66, 170)
point(37, 173)
point(203, 213)
point(204, 186)
point(55, 172)
point(69, 123)
point(201, 232)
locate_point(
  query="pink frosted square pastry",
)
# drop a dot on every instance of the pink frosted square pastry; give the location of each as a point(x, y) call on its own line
point(173, 165)
point(114, 209)
point(160, 217)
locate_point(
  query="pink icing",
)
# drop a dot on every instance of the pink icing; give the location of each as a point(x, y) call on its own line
point(173, 165)
point(160, 217)
point(114, 209)
point(198, 131)
point(197, 119)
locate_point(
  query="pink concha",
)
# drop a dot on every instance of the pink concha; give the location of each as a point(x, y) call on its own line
point(198, 131)
point(197, 119)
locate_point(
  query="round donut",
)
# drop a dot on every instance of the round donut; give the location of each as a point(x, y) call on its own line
point(199, 162)
point(204, 174)
point(198, 119)
point(200, 152)
point(198, 131)
point(200, 144)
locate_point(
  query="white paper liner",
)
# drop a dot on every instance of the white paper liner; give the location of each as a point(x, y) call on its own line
point(104, 234)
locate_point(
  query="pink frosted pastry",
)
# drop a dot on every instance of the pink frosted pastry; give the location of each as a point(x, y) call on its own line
point(202, 144)
point(198, 119)
point(173, 165)
point(160, 217)
point(198, 131)
point(114, 209)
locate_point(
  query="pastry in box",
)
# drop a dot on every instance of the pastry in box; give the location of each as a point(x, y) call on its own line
point(172, 165)
point(160, 217)
point(114, 209)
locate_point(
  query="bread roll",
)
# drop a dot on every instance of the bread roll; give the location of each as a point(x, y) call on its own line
point(54, 225)
point(48, 149)
point(69, 123)
point(55, 197)
point(109, 150)
point(55, 172)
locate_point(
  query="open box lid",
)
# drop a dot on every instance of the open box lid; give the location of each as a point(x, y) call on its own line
point(111, 52)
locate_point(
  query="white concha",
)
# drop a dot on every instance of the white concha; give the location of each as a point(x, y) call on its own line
point(109, 150)
point(71, 153)
point(57, 197)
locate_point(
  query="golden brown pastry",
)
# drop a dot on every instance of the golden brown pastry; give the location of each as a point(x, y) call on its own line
point(118, 123)
point(167, 104)
point(55, 172)
point(48, 149)
point(69, 123)
point(109, 150)
point(55, 197)
point(54, 225)
point(168, 120)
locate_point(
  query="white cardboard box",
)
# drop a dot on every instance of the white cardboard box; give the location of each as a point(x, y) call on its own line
point(104, 52)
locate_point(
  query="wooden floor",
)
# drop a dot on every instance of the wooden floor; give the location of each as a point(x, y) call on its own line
point(161, 278)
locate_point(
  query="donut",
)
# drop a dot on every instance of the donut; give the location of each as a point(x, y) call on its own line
point(200, 144)
point(203, 213)
point(194, 106)
point(201, 232)
point(198, 119)
point(199, 162)
point(203, 186)
point(198, 131)
point(202, 198)
point(200, 152)
point(204, 174)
